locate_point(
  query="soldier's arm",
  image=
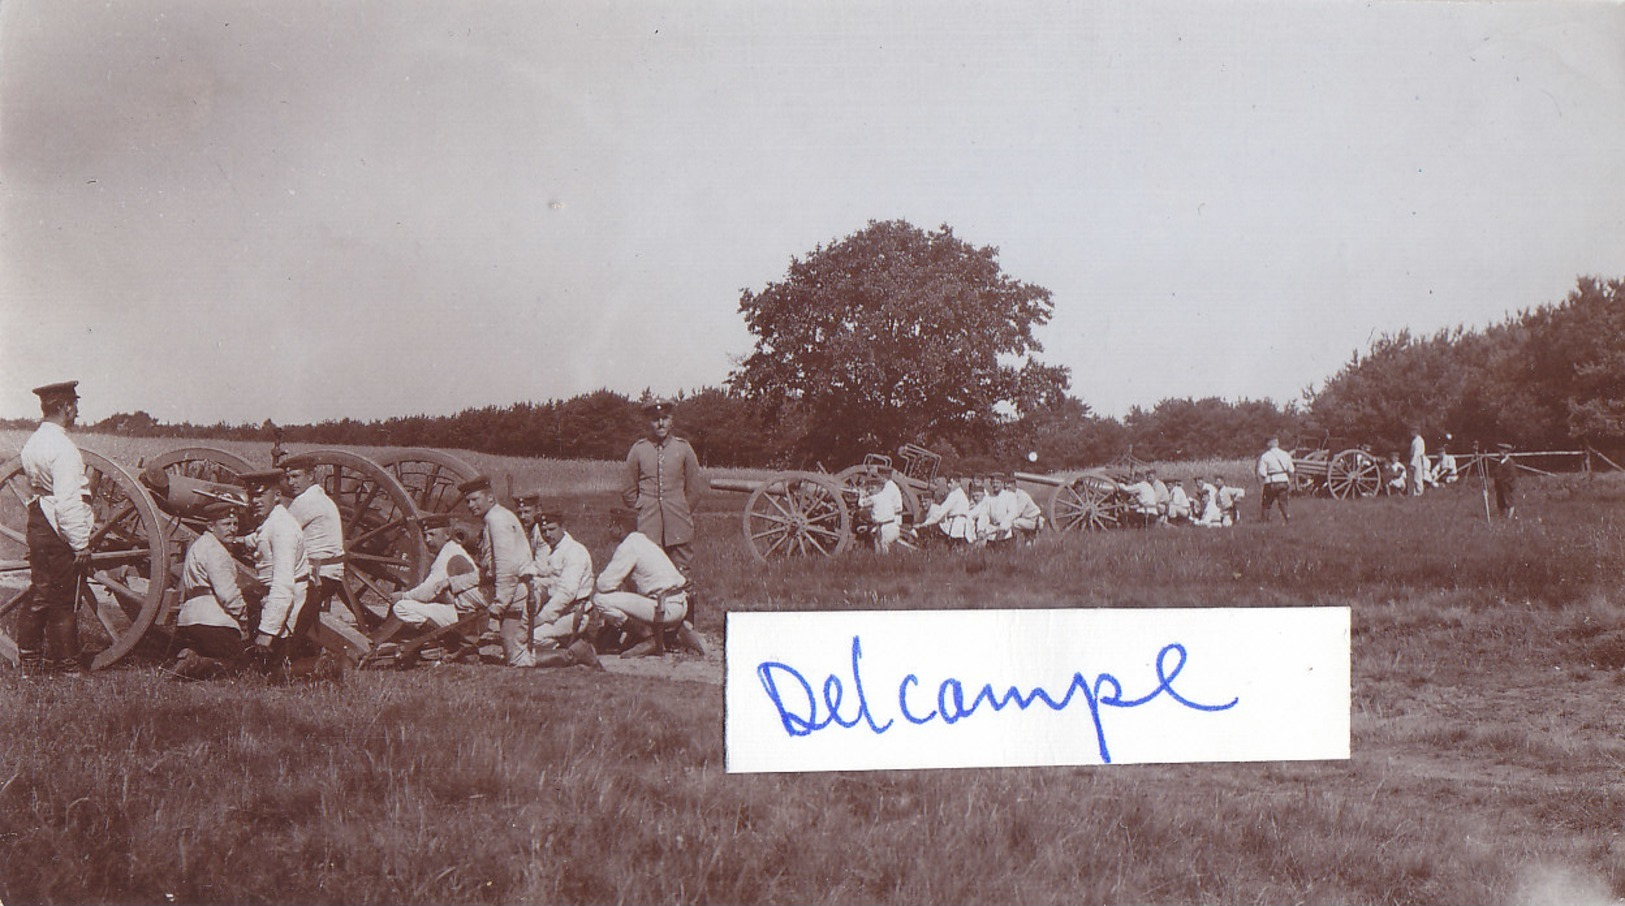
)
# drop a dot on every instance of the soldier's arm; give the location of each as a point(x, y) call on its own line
point(629, 482)
point(694, 485)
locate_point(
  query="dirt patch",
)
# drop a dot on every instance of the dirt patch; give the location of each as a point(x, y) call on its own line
point(682, 667)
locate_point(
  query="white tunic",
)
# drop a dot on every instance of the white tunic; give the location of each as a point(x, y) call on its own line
point(56, 474)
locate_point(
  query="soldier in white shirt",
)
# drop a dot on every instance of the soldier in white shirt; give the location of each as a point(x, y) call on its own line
point(1179, 504)
point(507, 566)
point(283, 570)
point(1228, 497)
point(1275, 471)
point(658, 594)
point(212, 625)
point(885, 502)
point(319, 519)
point(1420, 474)
point(566, 616)
point(448, 593)
point(60, 522)
point(951, 515)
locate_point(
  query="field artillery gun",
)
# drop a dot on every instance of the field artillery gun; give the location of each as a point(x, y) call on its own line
point(802, 513)
point(144, 524)
point(1089, 500)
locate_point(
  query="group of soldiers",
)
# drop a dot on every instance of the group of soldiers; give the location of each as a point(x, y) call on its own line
point(965, 511)
point(526, 576)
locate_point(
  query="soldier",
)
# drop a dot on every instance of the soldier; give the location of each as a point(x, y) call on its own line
point(884, 498)
point(566, 616)
point(658, 595)
point(663, 483)
point(212, 625)
point(59, 528)
point(1419, 473)
point(448, 593)
point(1275, 471)
point(1505, 475)
point(526, 507)
point(282, 568)
point(323, 527)
point(506, 567)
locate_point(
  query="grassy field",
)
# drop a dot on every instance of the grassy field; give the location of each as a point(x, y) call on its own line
point(1486, 760)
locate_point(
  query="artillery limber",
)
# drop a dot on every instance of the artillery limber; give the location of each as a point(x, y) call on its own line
point(129, 598)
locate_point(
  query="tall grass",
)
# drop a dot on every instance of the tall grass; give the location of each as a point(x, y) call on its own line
point(1486, 747)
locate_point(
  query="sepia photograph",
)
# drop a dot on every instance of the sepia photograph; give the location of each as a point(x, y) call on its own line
point(706, 451)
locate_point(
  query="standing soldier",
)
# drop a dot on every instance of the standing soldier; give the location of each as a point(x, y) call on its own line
point(1275, 472)
point(58, 534)
point(280, 565)
point(1505, 475)
point(663, 483)
point(506, 567)
point(1419, 463)
point(323, 528)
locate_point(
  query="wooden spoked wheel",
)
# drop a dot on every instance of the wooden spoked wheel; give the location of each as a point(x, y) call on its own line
point(797, 515)
point(182, 528)
point(123, 589)
point(1086, 504)
point(1353, 473)
point(431, 477)
point(383, 544)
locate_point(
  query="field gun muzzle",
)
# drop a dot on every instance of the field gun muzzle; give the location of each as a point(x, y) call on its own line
point(182, 495)
point(737, 485)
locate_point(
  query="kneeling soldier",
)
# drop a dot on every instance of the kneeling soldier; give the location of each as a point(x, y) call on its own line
point(659, 601)
point(212, 626)
point(449, 593)
point(567, 582)
point(283, 570)
point(506, 568)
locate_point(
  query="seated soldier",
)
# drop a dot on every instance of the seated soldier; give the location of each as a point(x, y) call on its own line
point(1161, 490)
point(1207, 504)
point(1144, 504)
point(949, 514)
point(1179, 504)
point(884, 500)
point(566, 584)
point(1393, 475)
point(212, 626)
point(979, 518)
point(1228, 495)
point(527, 507)
point(658, 599)
point(1029, 517)
point(451, 590)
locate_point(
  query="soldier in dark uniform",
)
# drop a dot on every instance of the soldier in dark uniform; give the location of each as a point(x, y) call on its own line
point(1505, 475)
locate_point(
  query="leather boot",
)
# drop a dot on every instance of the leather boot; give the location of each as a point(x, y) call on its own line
point(552, 658)
point(62, 638)
point(581, 652)
point(31, 663)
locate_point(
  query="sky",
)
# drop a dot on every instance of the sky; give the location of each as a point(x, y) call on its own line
point(236, 210)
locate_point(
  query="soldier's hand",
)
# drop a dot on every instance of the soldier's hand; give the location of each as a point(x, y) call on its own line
point(81, 559)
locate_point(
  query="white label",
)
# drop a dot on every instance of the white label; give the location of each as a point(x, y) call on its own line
point(880, 690)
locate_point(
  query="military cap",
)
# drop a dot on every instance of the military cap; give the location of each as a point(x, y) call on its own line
point(530, 497)
point(657, 405)
point(301, 461)
point(262, 479)
point(477, 483)
point(550, 517)
point(65, 388)
point(219, 509)
point(434, 520)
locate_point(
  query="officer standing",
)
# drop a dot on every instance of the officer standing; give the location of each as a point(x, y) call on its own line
point(663, 483)
point(60, 522)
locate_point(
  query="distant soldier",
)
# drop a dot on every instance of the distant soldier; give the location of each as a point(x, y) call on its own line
point(280, 564)
point(1393, 475)
point(60, 522)
point(1419, 474)
point(950, 514)
point(212, 626)
point(1029, 517)
point(884, 498)
point(527, 506)
point(1505, 475)
point(663, 483)
point(658, 596)
point(1144, 503)
point(1229, 497)
point(1206, 503)
point(451, 590)
point(506, 567)
point(1275, 471)
point(1179, 504)
point(323, 527)
point(1445, 471)
point(566, 584)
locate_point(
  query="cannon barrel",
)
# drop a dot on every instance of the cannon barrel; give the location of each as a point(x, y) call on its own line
point(737, 485)
point(183, 495)
point(1048, 481)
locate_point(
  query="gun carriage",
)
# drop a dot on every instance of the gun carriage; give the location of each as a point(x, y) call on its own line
point(129, 598)
point(1351, 472)
point(1081, 501)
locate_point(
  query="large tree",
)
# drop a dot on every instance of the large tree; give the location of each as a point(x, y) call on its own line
point(893, 335)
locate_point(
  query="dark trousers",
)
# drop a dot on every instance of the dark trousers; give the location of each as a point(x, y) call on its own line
point(1277, 493)
point(48, 624)
point(216, 642)
point(321, 592)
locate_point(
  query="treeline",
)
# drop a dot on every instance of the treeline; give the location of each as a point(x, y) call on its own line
point(1548, 378)
point(1551, 378)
